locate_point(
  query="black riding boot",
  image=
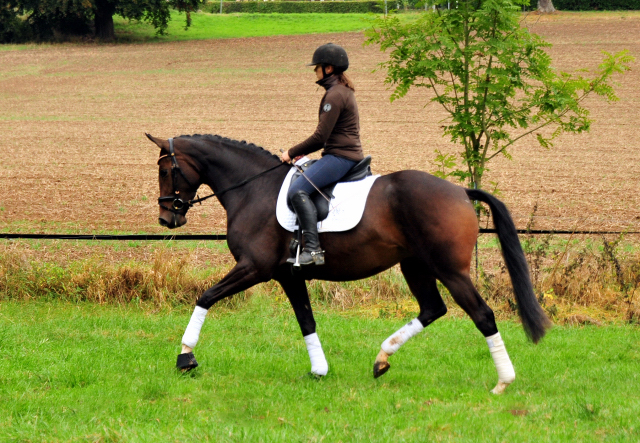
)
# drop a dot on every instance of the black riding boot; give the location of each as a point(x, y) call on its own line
point(308, 219)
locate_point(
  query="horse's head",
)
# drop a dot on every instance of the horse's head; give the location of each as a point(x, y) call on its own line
point(179, 181)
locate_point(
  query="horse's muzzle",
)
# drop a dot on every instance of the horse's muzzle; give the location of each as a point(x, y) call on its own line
point(172, 220)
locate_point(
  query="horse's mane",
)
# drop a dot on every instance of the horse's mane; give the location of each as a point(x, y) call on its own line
point(233, 143)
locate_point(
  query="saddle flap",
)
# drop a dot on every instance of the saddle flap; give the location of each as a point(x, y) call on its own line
point(359, 171)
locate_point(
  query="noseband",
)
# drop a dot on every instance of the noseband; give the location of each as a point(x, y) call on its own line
point(178, 205)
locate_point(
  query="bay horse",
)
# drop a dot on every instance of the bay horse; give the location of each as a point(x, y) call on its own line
point(426, 224)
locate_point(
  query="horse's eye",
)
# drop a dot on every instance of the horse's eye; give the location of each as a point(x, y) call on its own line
point(164, 173)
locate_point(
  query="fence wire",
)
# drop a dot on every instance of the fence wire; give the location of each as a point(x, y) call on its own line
point(223, 237)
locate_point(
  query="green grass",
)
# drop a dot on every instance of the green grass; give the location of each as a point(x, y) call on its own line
point(220, 26)
point(215, 26)
point(105, 373)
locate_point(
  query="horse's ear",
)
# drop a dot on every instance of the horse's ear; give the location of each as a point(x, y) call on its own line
point(162, 144)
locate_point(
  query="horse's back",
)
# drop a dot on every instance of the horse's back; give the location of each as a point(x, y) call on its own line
point(428, 213)
point(424, 194)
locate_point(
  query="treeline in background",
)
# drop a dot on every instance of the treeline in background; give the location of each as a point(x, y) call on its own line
point(50, 20)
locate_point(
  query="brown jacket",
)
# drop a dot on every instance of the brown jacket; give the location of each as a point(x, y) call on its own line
point(338, 130)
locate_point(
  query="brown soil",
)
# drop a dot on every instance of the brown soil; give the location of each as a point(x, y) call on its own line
point(73, 119)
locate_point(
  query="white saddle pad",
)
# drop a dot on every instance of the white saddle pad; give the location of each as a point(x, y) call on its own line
point(345, 210)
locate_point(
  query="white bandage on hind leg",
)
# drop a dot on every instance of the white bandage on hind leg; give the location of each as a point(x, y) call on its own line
point(393, 343)
point(506, 373)
point(190, 337)
point(319, 365)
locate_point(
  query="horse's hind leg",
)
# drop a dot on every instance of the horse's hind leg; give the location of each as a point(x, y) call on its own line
point(424, 288)
point(466, 295)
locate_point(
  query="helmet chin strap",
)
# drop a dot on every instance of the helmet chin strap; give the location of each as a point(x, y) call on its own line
point(324, 73)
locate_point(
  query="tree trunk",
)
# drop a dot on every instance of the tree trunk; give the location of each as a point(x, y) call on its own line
point(546, 6)
point(104, 20)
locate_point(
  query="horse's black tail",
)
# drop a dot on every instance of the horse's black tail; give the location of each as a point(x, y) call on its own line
point(534, 319)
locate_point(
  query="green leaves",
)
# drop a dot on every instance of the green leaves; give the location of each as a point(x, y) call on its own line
point(492, 77)
point(45, 18)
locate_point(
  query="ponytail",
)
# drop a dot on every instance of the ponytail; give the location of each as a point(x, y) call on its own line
point(346, 81)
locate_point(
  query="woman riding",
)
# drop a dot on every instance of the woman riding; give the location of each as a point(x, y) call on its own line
point(337, 134)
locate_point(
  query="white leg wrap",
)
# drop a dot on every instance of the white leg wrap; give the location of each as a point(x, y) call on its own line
point(190, 337)
point(506, 373)
point(393, 343)
point(319, 365)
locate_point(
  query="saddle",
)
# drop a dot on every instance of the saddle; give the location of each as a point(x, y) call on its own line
point(359, 171)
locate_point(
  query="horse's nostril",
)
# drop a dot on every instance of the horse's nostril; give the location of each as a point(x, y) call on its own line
point(163, 222)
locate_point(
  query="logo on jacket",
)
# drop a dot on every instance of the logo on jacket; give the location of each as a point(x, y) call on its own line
point(327, 107)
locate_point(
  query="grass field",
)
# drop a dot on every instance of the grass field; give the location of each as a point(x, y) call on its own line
point(213, 26)
point(85, 372)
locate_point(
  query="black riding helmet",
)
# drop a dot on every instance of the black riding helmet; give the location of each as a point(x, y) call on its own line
point(331, 54)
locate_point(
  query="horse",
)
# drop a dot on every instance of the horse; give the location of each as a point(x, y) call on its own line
point(427, 225)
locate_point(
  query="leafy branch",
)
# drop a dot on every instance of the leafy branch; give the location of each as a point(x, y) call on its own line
point(492, 77)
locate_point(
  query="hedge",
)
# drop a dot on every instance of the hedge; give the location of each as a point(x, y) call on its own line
point(596, 5)
point(298, 7)
point(377, 6)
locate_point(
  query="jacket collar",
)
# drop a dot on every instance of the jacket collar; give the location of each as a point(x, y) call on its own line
point(329, 82)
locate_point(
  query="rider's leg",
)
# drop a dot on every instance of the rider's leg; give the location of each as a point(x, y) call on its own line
point(308, 218)
point(329, 169)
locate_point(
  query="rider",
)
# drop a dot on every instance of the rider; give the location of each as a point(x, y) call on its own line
point(337, 134)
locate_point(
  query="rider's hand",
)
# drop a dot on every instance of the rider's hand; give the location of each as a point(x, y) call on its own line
point(285, 157)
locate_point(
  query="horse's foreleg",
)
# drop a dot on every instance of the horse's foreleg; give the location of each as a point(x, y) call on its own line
point(241, 277)
point(296, 290)
point(192, 333)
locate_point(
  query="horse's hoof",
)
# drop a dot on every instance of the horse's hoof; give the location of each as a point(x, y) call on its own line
point(186, 362)
point(500, 387)
point(313, 376)
point(380, 367)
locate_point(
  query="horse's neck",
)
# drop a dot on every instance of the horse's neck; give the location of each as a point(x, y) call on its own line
point(227, 166)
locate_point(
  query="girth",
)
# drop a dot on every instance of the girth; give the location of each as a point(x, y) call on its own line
point(359, 171)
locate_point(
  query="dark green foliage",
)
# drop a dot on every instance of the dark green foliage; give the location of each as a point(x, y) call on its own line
point(12, 29)
point(54, 19)
point(299, 7)
point(596, 5)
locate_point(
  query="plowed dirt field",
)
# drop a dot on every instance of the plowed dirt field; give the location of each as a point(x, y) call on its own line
point(73, 117)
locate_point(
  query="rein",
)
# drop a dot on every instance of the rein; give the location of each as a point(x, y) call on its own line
point(177, 204)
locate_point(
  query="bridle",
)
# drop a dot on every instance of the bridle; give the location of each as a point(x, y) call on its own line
point(178, 205)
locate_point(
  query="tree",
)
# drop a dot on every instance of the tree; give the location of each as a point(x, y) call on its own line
point(546, 6)
point(47, 18)
point(10, 24)
point(493, 78)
